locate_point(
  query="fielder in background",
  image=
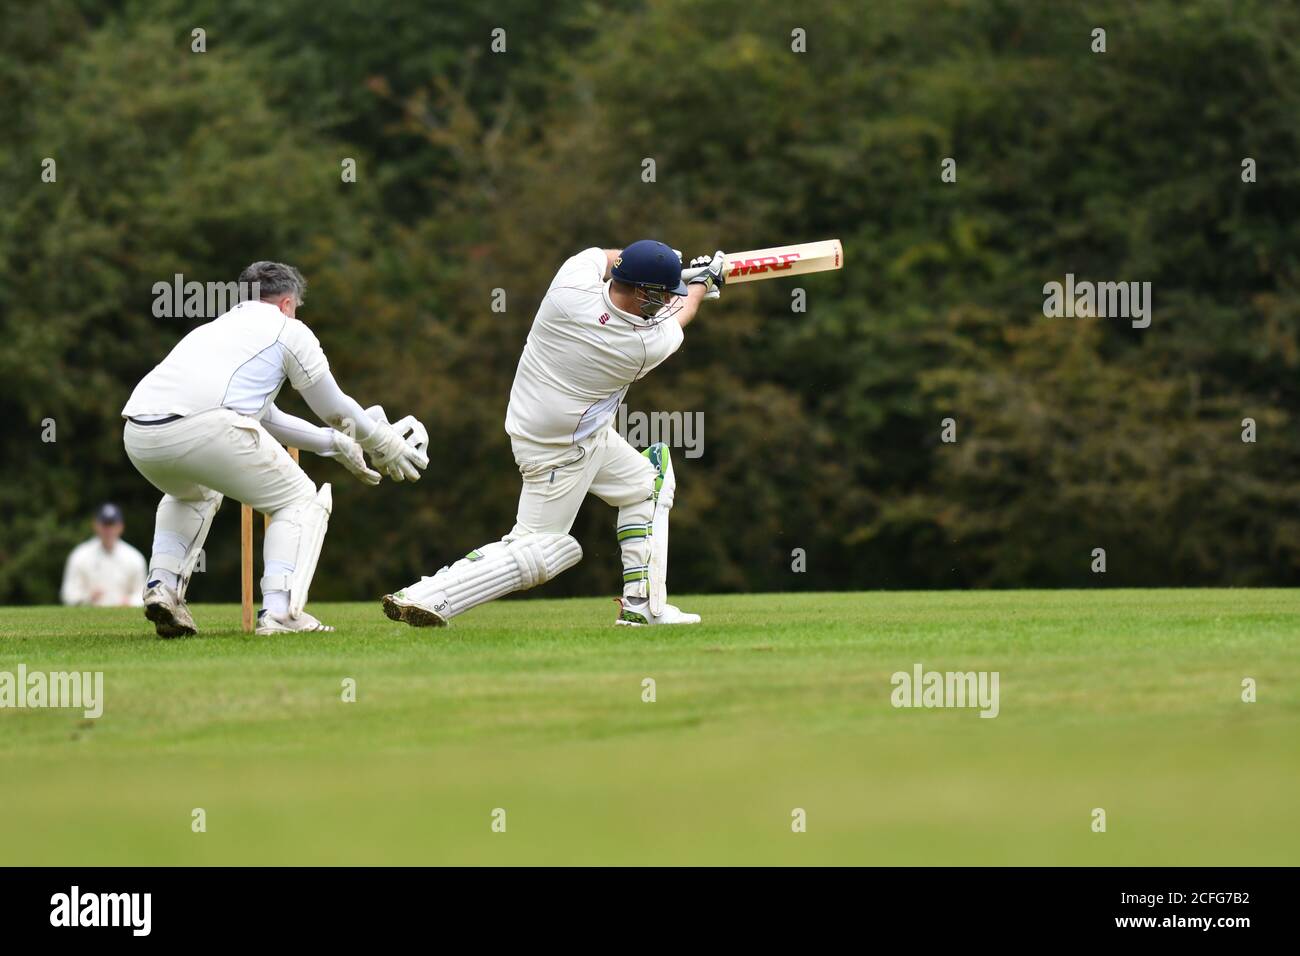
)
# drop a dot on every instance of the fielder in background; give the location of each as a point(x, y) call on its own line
point(609, 317)
point(104, 571)
point(203, 424)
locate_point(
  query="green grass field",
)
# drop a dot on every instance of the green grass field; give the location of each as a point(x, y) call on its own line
point(1124, 700)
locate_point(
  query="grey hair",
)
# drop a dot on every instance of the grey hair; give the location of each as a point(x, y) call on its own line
point(274, 279)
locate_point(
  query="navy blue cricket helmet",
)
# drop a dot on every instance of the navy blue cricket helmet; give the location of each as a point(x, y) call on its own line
point(649, 264)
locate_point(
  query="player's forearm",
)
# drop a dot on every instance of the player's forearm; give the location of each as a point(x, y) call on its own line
point(337, 409)
point(295, 432)
point(690, 305)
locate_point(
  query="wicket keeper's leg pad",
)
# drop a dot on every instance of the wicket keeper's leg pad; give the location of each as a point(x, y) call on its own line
point(296, 534)
point(180, 530)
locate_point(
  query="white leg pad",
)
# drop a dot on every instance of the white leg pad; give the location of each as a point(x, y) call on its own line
point(667, 488)
point(182, 524)
point(311, 519)
point(494, 571)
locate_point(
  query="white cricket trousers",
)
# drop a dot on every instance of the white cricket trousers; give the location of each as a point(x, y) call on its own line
point(556, 480)
point(196, 460)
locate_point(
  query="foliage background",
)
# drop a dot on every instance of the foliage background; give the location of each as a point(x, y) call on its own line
point(481, 170)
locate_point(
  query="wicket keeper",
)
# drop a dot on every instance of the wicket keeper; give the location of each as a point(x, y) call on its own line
point(203, 424)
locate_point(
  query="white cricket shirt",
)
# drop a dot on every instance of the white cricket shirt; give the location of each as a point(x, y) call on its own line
point(238, 361)
point(581, 355)
point(103, 578)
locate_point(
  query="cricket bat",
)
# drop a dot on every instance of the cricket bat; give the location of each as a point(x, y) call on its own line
point(779, 261)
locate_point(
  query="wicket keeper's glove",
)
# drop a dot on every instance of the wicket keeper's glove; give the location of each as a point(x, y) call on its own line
point(399, 449)
point(347, 452)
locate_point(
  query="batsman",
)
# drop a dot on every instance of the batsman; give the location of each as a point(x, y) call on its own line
point(609, 317)
point(203, 425)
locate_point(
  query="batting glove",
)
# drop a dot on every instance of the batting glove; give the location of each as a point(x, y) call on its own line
point(713, 275)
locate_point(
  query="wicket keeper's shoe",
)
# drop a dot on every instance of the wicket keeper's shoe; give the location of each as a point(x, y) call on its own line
point(634, 613)
point(170, 616)
point(268, 623)
point(400, 608)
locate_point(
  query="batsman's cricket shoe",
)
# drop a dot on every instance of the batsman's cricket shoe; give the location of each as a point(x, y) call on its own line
point(170, 616)
point(637, 614)
point(398, 607)
point(268, 623)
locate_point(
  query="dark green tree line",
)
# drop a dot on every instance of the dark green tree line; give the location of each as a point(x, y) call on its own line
point(482, 171)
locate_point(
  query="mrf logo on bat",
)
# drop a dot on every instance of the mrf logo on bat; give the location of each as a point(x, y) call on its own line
point(744, 267)
point(772, 263)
